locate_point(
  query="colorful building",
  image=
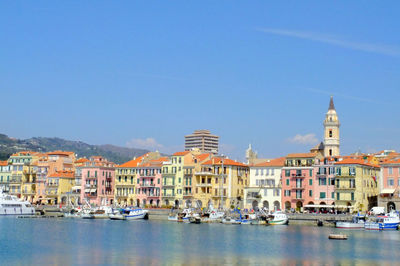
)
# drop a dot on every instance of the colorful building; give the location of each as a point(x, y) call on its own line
point(298, 178)
point(220, 183)
point(59, 186)
point(264, 190)
point(5, 175)
point(324, 185)
point(389, 184)
point(22, 175)
point(97, 185)
point(356, 185)
point(149, 182)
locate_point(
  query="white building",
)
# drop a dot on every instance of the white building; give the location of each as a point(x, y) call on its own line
point(264, 190)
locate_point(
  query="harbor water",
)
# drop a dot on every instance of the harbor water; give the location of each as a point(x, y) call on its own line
point(82, 242)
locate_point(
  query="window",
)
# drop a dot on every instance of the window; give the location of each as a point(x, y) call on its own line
point(119, 178)
point(330, 152)
point(287, 182)
point(352, 171)
point(337, 196)
point(352, 195)
point(330, 132)
point(131, 179)
point(322, 195)
point(256, 171)
point(390, 170)
point(390, 182)
point(310, 193)
point(287, 172)
point(261, 172)
point(333, 195)
point(310, 182)
point(272, 171)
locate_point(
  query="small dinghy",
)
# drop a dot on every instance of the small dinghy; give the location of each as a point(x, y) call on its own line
point(338, 236)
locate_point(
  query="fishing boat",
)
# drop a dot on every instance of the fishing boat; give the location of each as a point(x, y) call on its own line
point(390, 221)
point(130, 214)
point(11, 205)
point(230, 220)
point(358, 222)
point(212, 216)
point(278, 218)
point(338, 236)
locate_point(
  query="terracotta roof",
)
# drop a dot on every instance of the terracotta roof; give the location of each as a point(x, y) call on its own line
point(3, 163)
point(133, 163)
point(301, 155)
point(180, 153)
point(82, 160)
point(218, 161)
point(24, 153)
point(274, 162)
point(68, 174)
point(356, 161)
point(203, 156)
point(155, 163)
point(391, 161)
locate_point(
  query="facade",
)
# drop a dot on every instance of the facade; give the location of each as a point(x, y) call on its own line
point(331, 132)
point(389, 184)
point(220, 183)
point(202, 140)
point(20, 169)
point(264, 190)
point(356, 184)
point(298, 178)
point(324, 185)
point(149, 183)
point(5, 175)
point(58, 187)
point(97, 185)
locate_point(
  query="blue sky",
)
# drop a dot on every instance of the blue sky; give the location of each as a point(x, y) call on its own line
point(146, 73)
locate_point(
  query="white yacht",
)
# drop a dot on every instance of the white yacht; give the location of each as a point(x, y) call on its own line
point(11, 205)
point(278, 218)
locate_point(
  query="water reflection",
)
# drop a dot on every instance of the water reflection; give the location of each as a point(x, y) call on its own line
point(76, 241)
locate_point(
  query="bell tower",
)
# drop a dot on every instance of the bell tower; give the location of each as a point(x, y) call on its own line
point(331, 132)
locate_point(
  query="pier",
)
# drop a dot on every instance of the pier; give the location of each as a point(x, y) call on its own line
point(326, 219)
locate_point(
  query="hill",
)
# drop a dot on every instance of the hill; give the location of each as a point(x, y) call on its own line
point(113, 153)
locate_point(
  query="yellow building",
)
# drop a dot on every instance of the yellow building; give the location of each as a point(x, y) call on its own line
point(21, 173)
point(220, 182)
point(58, 186)
point(356, 185)
point(5, 175)
point(126, 179)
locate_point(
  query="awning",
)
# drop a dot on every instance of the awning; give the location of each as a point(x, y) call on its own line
point(87, 190)
point(93, 190)
point(343, 207)
point(388, 191)
point(253, 189)
point(319, 206)
point(76, 187)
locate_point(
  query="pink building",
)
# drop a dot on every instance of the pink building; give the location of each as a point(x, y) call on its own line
point(148, 189)
point(389, 184)
point(98, 176)
point(298, 180)
point(324, 185)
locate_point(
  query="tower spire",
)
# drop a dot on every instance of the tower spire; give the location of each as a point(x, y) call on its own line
point(331, 105)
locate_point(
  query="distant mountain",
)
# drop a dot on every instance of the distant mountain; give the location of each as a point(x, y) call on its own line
point(113, 153)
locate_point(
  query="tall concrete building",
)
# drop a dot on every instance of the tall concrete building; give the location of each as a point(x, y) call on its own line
point(331, 132)
point(203, 140)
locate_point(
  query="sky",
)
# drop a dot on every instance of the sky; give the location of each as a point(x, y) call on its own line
point(145, 73)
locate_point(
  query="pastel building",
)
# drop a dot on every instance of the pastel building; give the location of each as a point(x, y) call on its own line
point(58, 187)
point(97, 185)
point(220, 183)
point(389, 184)
point(298, 178)
point(356, 184)
point(22, 175)
point(264, 190)
point(148, 187)
point(324, 185)
point(5, 175)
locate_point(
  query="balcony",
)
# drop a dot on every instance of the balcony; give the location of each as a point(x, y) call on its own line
point(168, 185)
point(253, 196)
point(345, 187)
point(203, 173)
point(187, 185)
point(296, 187)
point(168, 195)
point(52, 185)
point(218, 196)
point(146, 184)
point(153, 195)
point(298, 175)
point(204, 185)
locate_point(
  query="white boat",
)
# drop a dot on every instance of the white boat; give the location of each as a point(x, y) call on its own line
point(358, 222)
point(130, 214)
point(278, 218)
point(213, 216)
point(11, 205)
point(97, 213)
point(183, 216)
point(229, 220)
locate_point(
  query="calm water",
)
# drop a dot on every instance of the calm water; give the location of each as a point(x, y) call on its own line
point(78, 241)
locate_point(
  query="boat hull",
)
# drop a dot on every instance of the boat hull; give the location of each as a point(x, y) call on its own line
point(279, 222)
point(347, 225)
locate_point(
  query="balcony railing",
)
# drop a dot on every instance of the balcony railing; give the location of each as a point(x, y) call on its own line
point(204, 185)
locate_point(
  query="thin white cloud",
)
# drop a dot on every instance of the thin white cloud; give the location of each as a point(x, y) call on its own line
point(147, 143)
point(307, 139)
point(335, 40)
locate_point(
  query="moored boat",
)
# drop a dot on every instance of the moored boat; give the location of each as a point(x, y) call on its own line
point(358, 222)
point(11, 205)
point(130, 214)
point(338, 236)
point(278, 218)
point(390, 221)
